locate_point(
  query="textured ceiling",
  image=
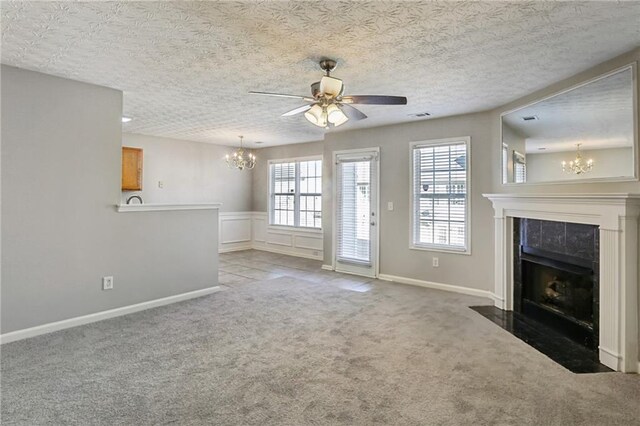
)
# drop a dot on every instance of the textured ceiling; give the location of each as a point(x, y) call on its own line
point(186, 67)
point(598, 115)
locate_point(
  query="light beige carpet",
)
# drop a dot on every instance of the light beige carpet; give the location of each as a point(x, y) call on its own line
point(300, 346)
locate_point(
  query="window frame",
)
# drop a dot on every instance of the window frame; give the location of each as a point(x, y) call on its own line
point(466, 250)
point(296, 197)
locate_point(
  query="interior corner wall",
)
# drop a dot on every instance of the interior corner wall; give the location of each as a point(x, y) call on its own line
point(189, 172)
point(61, 233)
point(396, 258)
point(260, 197)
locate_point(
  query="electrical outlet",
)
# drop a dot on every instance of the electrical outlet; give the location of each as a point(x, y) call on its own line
point(107, 283)
point(436, 263)
point(160, 184)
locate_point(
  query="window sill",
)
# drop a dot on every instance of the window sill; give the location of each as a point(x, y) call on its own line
point(463, 251)
point(294, 229)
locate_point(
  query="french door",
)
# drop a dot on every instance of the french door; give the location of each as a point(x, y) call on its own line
point(356, 212)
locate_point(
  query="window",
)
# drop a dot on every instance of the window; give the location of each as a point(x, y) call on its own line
point(296, 193)
point(440, 203)
point(505, 163)
point(519, 167)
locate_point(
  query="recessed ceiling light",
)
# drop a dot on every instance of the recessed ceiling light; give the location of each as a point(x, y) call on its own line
point(420, 114)
point(541, 148)
point(126, 119)
point(530, 118)
point(258, 142)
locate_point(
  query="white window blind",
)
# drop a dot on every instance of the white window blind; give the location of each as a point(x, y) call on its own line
point(353, 229)
point(519, 167)
point(296, 193)
point(440, 199)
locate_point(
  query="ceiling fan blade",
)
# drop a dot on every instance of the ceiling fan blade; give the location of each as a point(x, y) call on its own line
point(298, 110)
point(282, 95)
point(374, 100)
point(331, 87)
point(352, 113)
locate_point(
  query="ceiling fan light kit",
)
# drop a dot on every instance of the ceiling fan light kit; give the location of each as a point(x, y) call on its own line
point(328, 107)
point(316, 115)
point(335, 115)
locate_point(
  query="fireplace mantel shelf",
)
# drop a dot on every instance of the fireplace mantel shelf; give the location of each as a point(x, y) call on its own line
point(593, 198)
point(616, 215)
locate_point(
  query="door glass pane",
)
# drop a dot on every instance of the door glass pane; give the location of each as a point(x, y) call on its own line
point(354, 212)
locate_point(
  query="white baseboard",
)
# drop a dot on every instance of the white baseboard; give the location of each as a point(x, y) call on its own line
point(609, 358)
point(437, 286)
point(328, 267)
point(289, 252)
point(99, 316)
point(238, 247)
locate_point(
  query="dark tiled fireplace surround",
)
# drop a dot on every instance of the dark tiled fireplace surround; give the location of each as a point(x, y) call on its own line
point(564, 327)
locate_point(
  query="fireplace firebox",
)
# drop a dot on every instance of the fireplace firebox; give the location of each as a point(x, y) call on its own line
point(556, 279)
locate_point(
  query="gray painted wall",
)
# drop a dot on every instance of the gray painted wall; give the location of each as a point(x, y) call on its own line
point(61, 142)
point(191, 172)
point(608, 163)
point(475, 270)
point(260, 191)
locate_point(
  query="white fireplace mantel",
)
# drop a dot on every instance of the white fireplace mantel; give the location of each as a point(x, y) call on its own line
point(617, 217)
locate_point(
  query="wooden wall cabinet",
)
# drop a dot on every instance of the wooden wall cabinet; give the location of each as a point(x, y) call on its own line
point(131, 169)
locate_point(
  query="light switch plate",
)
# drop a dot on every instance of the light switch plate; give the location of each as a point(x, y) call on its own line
point(107, 283)
point(390, 206)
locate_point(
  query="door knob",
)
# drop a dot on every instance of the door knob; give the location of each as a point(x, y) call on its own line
point(373, 224)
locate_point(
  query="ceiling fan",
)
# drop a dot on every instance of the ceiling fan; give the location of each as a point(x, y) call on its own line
point(328, 106)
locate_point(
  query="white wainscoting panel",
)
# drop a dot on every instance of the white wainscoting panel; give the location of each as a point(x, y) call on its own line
point(259, 227)
point(235, 231)
point(310, 242)
point(251, 230)
point(280, 238)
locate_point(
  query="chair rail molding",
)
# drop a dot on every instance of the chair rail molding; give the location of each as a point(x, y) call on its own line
point(617, 217)
point(251, 230)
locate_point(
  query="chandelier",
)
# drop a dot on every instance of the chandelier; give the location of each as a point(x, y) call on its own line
point(578, 165)
point(241, 159)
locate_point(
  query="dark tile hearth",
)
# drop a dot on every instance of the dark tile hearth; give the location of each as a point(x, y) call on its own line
point(564, 351)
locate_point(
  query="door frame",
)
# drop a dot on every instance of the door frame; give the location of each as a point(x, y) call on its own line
point(375, 257)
